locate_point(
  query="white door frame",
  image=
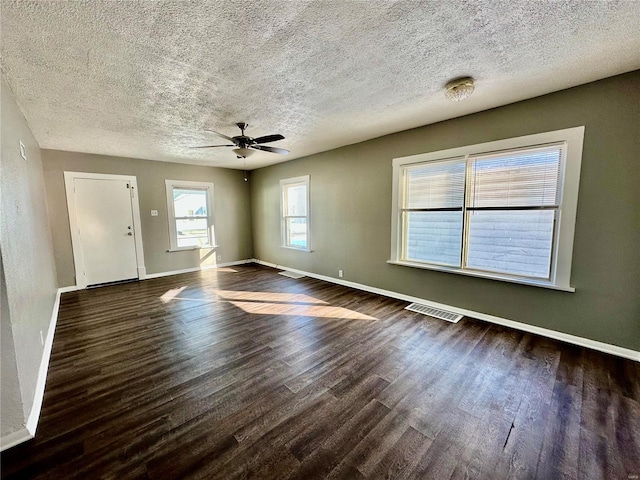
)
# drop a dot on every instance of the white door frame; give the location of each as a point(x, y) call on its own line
point(69, 177)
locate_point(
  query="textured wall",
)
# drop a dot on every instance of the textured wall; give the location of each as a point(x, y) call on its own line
point(27, 251)
point(12, 416)
point(232, 218)
point(351, 213)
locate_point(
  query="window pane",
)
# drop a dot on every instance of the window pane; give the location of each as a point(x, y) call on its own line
point(189, 203)
point(524, 178)
point(434, 237)
point(296, 200)
point(435, 185)
point(512, 242)
point(192, 232)
point(296, 232)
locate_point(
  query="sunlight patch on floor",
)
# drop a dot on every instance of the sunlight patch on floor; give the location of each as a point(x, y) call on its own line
point(267, 297)
point(271, 303)
point(171, 294)
point(321, 311)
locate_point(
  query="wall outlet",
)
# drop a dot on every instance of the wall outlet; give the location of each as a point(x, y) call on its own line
point(219, 258)
point(340, 273)
point(154, 213)
point(41, 338)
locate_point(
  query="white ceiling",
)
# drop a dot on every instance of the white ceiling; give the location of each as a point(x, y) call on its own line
point(146, 79)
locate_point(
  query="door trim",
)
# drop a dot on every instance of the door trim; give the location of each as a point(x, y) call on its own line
point(69, 177)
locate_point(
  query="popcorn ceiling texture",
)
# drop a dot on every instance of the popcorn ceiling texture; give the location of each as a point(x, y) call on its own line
point(145, 79)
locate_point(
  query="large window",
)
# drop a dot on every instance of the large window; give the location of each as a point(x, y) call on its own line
point(189, 210)
point(294, 194)
point(503, 210)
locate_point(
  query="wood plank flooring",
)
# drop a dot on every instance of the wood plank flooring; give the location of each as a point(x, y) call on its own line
point(243, 373)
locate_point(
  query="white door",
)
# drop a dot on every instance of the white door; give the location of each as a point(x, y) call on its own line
point(106, 231)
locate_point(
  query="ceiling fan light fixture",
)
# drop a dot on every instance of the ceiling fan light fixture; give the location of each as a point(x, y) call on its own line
point(459, 89)
point(243, 152)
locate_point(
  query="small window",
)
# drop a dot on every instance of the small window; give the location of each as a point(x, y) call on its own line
point(295, 212)
point(190, 214)
point(503, 210)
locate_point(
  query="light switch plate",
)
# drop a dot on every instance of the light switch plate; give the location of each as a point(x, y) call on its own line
point(154, 213)
point(23, 152)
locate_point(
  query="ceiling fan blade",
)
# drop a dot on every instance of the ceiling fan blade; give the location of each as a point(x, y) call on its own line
point(281, 151)
point(268, 138)
point(220, 135)
point(212, 146)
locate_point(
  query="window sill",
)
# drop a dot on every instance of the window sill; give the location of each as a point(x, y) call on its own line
point(490, 276)
point(187, 249)
point(308, 250)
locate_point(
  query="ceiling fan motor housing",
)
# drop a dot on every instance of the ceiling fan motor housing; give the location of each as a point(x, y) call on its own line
point(243, 141)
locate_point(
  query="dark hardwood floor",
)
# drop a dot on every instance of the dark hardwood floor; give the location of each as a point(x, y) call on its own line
point(243, 373)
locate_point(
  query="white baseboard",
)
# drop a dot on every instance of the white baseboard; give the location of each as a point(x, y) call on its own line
point(34, 416)
point(71, 288)
point(142, 273)
point(545, 332)
point(197, 269)
point(148, 276)
point(15, 438)
point(29, 429)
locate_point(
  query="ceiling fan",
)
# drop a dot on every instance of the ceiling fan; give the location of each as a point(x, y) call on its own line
point(246, 145)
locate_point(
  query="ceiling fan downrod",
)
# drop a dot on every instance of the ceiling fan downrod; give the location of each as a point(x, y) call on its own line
point(242, 126)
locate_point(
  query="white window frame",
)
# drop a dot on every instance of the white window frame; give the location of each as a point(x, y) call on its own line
point(560, 271)
point(304, 179)
point(170, 185)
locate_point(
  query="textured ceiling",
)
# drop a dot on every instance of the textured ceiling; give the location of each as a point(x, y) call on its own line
point(146, 79)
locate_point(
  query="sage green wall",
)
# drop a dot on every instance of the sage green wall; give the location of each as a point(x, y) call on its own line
point(232, 216)
point(29, 272)
point(351, 213)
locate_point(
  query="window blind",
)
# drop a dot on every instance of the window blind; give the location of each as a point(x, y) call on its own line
point(436, 185)
point(525, 178)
